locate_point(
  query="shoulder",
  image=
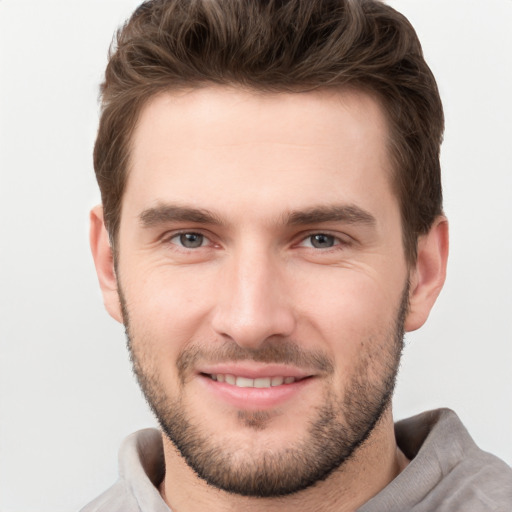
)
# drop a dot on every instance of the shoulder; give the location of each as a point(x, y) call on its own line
point(448, 472)
point(468, 478)
point(141, 469)
point(115, 499)
point(472, 477)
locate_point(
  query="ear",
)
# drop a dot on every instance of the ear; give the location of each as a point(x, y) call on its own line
point(428, 274)
point(104, 262)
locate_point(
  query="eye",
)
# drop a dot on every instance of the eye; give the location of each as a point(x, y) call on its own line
point(321, 241)
point(189, 240)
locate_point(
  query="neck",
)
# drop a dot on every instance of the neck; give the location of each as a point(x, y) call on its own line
point(373, 466)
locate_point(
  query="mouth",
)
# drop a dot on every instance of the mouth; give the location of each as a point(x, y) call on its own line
point(259, 382)
point(255, 388)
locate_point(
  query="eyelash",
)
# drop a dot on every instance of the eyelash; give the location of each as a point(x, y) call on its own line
point(184, 233)
point(338, 242)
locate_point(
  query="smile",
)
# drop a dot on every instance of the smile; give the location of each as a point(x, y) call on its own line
point(257, 388)
point(244, 382)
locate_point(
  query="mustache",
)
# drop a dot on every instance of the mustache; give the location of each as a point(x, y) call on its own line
point(272, 351)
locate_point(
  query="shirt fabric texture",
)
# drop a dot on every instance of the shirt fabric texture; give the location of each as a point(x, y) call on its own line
point(447, 472)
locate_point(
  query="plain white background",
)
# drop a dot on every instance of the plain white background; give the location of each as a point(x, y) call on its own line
point(67, 397)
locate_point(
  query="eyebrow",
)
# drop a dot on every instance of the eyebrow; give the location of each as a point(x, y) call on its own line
point(349, 214)
point(162, 214)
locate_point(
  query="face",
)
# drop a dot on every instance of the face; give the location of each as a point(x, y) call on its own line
point(263, 280)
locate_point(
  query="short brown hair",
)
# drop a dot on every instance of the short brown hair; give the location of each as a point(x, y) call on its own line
point(278, 46)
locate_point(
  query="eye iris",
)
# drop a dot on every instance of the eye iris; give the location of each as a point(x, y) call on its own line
point(191, 240)
point(322, 241)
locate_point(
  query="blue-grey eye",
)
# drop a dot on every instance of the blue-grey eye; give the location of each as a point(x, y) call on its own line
point(191, 240)
point(322, 241)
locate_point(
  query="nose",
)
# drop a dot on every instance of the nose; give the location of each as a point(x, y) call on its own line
point(253, 302)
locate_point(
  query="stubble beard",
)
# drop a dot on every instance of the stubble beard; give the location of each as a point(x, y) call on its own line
point(339, 428)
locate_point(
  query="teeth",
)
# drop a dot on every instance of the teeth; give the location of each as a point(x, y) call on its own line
point(244, 382)
point(277, 381)
point(262, 382)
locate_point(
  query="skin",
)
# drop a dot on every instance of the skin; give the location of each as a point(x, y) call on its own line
point(254, 161)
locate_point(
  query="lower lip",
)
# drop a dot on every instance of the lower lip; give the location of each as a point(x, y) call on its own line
point(254, 398)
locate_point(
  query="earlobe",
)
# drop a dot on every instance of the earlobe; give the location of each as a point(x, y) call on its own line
point(429, 273)
point(104, 262)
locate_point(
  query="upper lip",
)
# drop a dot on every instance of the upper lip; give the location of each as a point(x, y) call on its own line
point(254, 370)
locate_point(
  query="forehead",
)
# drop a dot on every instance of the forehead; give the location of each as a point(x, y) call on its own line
point(218, 147)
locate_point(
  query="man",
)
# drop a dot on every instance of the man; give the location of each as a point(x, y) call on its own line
point(271, 226)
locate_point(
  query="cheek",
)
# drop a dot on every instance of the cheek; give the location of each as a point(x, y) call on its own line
point(339, 310)
point(166, 309)
point(351, 316)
